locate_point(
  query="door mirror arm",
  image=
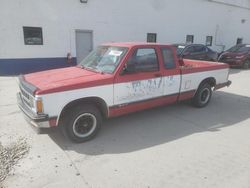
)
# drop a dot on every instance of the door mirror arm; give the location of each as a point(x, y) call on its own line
point(180, 61)
point(128, 68)
point(124, 70)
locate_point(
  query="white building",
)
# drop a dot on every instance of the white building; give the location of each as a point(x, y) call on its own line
point(37, 35)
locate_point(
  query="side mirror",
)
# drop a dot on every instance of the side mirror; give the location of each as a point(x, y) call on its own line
point(129, 68)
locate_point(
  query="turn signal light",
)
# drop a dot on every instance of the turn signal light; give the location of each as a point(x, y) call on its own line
point(39, 106)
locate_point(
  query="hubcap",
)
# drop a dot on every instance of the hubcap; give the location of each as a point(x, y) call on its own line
point(205, 94)
point(84, 125)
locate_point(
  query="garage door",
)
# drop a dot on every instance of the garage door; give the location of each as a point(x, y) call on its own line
point(84, 44)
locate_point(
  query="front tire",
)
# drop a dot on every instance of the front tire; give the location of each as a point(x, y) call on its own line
point(82, 123)
point(202, 96)
point(246, 64)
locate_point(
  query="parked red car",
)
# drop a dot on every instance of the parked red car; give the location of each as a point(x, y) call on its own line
point(237, 56)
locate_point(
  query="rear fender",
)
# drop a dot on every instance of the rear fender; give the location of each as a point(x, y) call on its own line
point(210, 80)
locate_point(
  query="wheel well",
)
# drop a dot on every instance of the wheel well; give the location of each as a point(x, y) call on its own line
point(211, 81)
point(98, 102)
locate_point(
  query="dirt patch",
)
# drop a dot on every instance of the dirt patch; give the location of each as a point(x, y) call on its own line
point(10, 155)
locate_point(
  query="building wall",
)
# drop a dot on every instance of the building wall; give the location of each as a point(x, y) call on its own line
point(112, 21)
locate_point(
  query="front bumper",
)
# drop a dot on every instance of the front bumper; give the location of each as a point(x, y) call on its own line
point(37, 120)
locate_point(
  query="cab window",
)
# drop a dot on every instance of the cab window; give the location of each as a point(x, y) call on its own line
point(145, 60)
point(168, 58)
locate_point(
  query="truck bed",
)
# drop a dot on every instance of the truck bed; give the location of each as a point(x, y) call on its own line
point(190, 66)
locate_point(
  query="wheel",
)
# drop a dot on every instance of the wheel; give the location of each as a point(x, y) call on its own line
point(246, 64)
point(202, 96)
point(82, 123)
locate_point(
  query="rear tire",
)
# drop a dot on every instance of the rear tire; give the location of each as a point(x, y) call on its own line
point(82, 123)
point(202, 96)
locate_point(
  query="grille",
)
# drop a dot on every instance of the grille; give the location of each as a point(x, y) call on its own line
point(27, 98)
point(24, 93)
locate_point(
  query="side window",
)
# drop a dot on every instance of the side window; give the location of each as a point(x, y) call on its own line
point(190, 39)
point(145, 59)
point(151, 37)
point(205, 49)
point(33, 35)
point(189, 49)
point(168, 58)
point(209, 50)
point(209, 41)
point(239, 41)
point(200, 49)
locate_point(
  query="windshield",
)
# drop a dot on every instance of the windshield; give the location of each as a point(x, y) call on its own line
point(104, 59)
point(239, 48)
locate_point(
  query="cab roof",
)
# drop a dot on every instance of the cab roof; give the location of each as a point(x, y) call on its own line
point(132, 44)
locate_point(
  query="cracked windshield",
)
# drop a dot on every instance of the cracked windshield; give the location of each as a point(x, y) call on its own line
point(104, 59)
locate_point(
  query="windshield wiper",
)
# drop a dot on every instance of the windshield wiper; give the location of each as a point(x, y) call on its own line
point(91, 69)
point(82, 66)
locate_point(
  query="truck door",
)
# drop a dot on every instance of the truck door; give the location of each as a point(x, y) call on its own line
point(141, 80)
point(171, 74)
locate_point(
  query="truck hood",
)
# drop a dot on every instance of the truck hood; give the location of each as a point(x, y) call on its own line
point(65, 79)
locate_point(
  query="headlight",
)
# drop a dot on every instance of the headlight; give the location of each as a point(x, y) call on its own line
point(39, 105)
point(240, 57)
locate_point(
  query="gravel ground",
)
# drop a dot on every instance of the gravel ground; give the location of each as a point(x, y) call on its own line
point(10, 155)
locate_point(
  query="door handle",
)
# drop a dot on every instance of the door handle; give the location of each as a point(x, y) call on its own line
point(158, 75)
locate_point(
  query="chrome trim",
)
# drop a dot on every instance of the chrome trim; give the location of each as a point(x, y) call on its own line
point(29, 113)
point(27, 86)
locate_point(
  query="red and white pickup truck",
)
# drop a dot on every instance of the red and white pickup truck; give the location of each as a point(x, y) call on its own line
point(113, 80)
